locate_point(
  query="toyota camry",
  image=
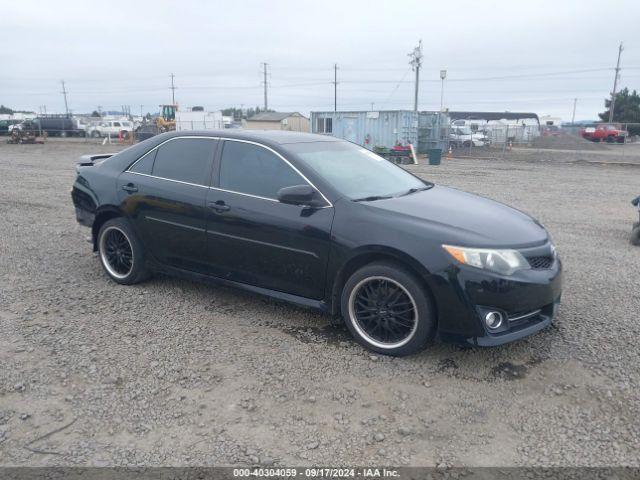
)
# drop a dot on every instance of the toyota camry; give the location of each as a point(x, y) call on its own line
point(323, 223)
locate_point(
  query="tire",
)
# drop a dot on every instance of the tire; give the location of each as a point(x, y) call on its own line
point(611, 139)
point(117, 234)
point(125, 134)
point(635, 236)
point(63, 134)
point(366, 318)
point(95, 134)
point(466, 144)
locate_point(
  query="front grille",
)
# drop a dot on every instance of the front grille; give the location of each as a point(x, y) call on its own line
point(540, 263)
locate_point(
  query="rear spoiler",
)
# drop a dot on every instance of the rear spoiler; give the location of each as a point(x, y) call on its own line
point(89, 160)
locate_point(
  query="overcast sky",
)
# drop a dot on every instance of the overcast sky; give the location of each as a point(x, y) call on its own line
point(517, 55)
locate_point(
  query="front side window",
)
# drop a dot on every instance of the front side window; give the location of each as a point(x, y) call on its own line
point(145, 164)
point(353, 171)
point(254, 170)
point(116, 124)
point(185, 159)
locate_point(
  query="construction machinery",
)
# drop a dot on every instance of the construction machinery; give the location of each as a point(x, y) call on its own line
point(26, 132)
point(166, 121)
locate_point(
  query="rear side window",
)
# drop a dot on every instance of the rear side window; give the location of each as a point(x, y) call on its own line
point(185, 159)
point(251, 169)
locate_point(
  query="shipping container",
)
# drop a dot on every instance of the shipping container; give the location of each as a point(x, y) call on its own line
point(382, 129)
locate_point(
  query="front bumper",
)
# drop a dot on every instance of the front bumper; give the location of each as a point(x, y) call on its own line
point(528, 301)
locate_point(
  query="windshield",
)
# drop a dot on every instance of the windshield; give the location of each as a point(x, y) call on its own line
point(355, 172)
point(464, 131)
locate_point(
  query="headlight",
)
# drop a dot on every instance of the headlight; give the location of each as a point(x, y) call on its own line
point(504, 262)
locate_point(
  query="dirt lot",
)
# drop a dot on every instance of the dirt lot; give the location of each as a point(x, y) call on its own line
point(172, 372)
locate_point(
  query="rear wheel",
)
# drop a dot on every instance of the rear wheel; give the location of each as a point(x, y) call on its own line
point(121, 253)
point(387, 309)
point(95, 134)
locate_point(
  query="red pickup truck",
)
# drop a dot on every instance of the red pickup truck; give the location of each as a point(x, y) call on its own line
point(605, 132)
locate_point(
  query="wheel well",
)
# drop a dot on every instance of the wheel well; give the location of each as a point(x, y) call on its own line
point(100, 220)
point(366, 258)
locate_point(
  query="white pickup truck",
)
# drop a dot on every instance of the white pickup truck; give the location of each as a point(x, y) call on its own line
point(464, 137)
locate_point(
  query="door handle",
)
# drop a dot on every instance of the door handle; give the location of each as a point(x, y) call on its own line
point(219, 206)
point(130, 187)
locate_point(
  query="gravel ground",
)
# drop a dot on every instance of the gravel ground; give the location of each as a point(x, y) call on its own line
point(172, 372)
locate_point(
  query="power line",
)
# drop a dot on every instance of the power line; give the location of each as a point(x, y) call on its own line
point(395, 89)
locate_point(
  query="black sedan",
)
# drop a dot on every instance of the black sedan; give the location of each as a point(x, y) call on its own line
point(323, 223)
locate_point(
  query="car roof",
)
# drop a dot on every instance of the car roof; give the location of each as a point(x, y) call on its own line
point(279, 137)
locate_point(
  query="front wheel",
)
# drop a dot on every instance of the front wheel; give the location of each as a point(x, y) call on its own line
point(121, 253)
point(635, 236)
point(387, 309)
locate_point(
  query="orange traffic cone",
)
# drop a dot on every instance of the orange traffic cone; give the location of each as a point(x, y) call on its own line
point(450, 153)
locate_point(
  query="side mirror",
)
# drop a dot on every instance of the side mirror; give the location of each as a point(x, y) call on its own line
point(299, 195)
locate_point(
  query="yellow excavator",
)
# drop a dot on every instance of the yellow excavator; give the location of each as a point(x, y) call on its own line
point(166, 121)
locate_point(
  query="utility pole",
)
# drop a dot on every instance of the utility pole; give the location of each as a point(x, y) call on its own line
point(443, 75)
point(615, 85)
point(64, 92)
point(264, 71)
point(335, 87)
point(416, 63)
point(173, 90)
point(573, 115)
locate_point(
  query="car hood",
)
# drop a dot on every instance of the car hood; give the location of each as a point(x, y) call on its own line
point(461, 218)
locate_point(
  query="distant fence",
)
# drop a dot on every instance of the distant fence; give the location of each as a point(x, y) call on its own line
point(593, 143)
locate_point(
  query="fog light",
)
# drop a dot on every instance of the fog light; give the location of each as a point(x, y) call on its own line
point(493, 320)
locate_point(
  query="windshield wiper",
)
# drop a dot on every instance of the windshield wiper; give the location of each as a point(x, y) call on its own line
point(414, 190)
point(372, 198)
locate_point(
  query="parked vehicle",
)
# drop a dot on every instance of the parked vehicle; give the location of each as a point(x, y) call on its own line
point(324, 223)
point(146, 130)
point(24, 132)
point(7, 125)
point(465, 137)
point(58, 126)
point(113, 128)
point(635, 231)
point(605, 133)
point(551, 131)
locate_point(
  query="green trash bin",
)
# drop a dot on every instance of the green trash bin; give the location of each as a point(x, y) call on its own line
point(435, 155)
